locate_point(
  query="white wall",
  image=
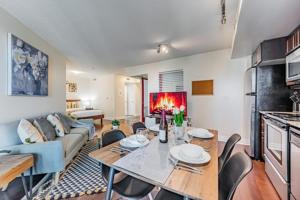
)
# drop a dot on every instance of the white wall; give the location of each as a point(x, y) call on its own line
point(13, 107)
point(224, 111)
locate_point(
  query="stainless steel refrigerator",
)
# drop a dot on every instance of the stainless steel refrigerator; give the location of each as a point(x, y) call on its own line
point(265, 90)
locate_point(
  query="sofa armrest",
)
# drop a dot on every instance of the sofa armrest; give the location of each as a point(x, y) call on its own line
point(48, 156)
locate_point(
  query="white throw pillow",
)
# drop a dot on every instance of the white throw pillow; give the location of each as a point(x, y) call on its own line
point(59, 129)
point(28, 133)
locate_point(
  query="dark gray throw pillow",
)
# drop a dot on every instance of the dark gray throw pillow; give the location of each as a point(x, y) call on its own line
point(65, 121)
point(45, 128)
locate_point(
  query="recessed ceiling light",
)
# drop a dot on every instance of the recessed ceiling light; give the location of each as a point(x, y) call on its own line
point(163, 48)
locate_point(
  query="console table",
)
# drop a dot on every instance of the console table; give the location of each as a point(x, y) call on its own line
point(11, 166)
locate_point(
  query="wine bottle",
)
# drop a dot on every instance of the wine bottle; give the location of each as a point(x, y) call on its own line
point(163, 128)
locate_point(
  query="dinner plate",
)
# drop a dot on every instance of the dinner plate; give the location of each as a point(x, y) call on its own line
point(131, 142)
point(200, 133)
point(154, 128)
point(176, 152)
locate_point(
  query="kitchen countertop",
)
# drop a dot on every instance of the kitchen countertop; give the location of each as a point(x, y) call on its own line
point(295, 124)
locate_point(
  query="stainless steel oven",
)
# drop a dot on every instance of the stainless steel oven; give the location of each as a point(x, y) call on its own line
point(295, 163)
point(276, 155)
point(293, 66)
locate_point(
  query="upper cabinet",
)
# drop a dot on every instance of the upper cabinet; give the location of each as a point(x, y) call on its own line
point(270, 52)
point(293, 41)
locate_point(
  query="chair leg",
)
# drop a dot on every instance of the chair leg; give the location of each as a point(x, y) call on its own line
point(110, 184)
point(150, 196)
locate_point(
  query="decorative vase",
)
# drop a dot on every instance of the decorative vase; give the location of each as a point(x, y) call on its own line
point(179, 132)
point(115, 127)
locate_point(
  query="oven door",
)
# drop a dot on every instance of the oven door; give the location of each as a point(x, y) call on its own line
point(293, 66)
point(276, 145)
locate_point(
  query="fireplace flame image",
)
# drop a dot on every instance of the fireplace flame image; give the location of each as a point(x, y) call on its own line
point(166, 101)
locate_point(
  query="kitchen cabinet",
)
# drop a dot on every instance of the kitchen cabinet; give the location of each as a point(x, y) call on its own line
point(270, 52)
point(293, 41)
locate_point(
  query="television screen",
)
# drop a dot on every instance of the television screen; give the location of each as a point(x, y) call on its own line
point(167, 101)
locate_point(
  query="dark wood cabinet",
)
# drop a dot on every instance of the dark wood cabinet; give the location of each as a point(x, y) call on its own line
point(293, 41)
point(270, 52)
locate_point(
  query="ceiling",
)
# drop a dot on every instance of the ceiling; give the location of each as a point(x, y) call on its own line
point(260, 20)
point(109, 34)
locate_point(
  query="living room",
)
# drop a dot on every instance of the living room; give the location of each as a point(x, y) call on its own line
point(80, 79)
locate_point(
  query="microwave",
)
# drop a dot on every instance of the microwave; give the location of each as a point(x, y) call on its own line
point(293, 67)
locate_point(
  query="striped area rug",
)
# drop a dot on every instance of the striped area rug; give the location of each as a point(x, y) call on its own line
point(82, 177)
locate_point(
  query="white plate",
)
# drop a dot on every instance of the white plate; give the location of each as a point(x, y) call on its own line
point(200, 133)
point(131, 142)
point(176, 153)
point(154, 128)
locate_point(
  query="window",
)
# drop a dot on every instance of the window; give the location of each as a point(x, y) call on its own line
point(171, 81)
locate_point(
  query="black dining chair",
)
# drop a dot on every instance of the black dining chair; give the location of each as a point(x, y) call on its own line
point(226, 153)
point(137, 125)
point(128, 186)
point(233, 172)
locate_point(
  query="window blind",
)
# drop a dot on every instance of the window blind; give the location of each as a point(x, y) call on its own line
point(171, 81)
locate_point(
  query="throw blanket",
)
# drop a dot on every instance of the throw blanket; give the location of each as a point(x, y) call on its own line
point(83, 123)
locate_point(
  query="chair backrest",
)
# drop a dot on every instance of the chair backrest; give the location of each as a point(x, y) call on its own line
point(226, 153)
point(235, 169)
point(112, 136)
point(108, 138)
point(137, 125)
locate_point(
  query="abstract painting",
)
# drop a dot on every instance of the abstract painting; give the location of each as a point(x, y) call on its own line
point(27, 69)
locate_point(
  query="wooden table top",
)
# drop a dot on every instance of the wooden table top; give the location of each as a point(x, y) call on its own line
point(12, 166)
point(192, 185)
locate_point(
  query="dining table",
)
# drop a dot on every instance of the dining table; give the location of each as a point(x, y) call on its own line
point(150, 164)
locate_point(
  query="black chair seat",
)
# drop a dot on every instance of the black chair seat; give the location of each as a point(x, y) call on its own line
point(129, 186)
point(164, 195)
point(132, 188)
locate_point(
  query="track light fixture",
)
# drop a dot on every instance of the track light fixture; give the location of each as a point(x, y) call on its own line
point(163, 48)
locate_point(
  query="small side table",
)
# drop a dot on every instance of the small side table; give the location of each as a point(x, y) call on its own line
point(12, 166)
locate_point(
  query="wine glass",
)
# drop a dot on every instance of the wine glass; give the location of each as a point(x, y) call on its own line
point(141, 135)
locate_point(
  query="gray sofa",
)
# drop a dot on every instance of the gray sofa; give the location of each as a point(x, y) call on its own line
point(50, 156)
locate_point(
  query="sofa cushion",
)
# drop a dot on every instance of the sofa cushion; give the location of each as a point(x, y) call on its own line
point(82, 131)
point(28, 133)
point(45, 128)
point(65, 121)
point(70, 141)
point(59, 129)
point(9, 135)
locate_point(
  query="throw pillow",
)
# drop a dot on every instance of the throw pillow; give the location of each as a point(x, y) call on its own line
point(65, 121)
point(59, 129)
point(28, 133)
point(45, 128)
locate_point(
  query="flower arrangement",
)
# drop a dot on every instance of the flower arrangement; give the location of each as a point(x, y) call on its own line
point(178, 115)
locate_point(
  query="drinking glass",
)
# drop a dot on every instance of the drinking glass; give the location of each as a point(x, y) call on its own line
point(141, 135)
